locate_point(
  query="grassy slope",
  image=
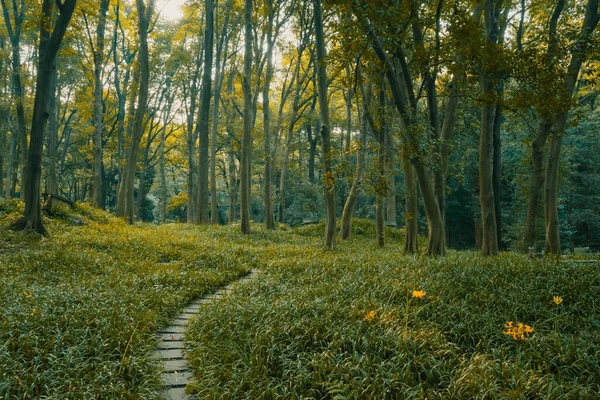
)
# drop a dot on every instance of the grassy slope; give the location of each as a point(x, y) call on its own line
point(318, 324)
point(72, 302)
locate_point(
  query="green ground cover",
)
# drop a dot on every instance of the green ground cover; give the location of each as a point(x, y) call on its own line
point(79, 309)
point(344, 325)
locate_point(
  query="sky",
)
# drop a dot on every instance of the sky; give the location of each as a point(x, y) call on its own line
point(171, 9)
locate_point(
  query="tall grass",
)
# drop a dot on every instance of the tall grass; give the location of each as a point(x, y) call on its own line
point(319, 324)
point(71, 303)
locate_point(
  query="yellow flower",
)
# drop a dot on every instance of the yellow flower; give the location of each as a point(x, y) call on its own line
point(28, 294)
point(369, 316)
point(557, 300)
point(419, 294)
point(517, 332)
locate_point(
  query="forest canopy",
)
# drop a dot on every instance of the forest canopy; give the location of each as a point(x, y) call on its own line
point(472, 123)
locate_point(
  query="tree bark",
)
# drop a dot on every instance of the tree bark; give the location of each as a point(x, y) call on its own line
point(268, 201)
point(219, 72)
point(322, 83)
point(51, 150)
point(489, 245)
point(580, 53)
point(125, 205)
point(535, 186)
point(98, 199)
point(14, 33)
point(350, 205)
point(50, 41)
point(247, 135)
point(204, 114)
point(435, 222)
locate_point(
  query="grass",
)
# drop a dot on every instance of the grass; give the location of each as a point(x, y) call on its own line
point(71, 303)
point(318, 324)
point(313, 324)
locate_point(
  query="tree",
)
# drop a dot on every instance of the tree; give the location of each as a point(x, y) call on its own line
point(14, 29)
point(204, 113)
point(50, 42)
point(248, 117)
point(98, 50)
point(125, 206)
point(322, 83)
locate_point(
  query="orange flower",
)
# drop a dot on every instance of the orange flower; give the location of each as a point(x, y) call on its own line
point(419, 294)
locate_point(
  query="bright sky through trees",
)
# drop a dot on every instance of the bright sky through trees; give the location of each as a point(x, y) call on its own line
point(170, 9)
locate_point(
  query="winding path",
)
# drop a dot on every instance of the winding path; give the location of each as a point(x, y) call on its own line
point(171, 347)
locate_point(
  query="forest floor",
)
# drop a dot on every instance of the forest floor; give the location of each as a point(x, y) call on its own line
point(80, 310)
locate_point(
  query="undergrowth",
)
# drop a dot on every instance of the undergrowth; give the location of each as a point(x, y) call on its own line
point(72, 302)
point(345, 325)
point(360, 322)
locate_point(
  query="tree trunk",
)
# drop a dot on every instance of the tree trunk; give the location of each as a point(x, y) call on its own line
point(50, 41)
point(381, 190)
point(328, 177)
point(535, 186)
point(269, 221)
point(247, 135)
point(350, 206)
point(125, 205)
point(51, 150)
point(204, 114)
point(14, 33)
point(98, 197)
point(435, 222)
point(580, 53)
point(390, 172)
point(489, 245)
point(411, 234)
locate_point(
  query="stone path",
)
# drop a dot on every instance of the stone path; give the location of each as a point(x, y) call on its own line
point(171, 348)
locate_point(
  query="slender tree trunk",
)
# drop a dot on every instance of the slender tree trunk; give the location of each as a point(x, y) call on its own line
point(269, 221)
point(437, 234)
point(580, 53)
point(50, 41)
point(233, 185)
point(312, 153)
point(489, 245)
point(382, 184)
point(125, 205)
point(51, 150)
point(322, 83)
point(551, 191)
point(98, 199)
point(390, 173)
point(204, 113)
point(411, 234)
point(14, 33)
point(219, 72)
point(350, 205)
point(246, 138)
point(535, 186)
point(162, 170)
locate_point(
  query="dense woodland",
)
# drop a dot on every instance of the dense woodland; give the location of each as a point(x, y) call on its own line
point(470, 122)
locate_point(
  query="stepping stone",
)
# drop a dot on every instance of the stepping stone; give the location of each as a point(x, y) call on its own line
point(170, 345)
point(173, 329)
point(168, 354)
point(176, 365)
point(174, 394)
point(173, 337)
point(186, 316)
point(176, 379)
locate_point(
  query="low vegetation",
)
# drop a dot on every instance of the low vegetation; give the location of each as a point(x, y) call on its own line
point(79, 309)
point(371, 323)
